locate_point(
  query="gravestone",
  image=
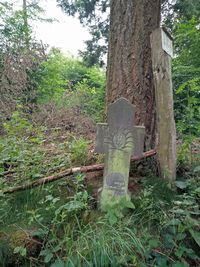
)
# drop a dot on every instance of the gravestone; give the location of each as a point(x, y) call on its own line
point(119, 139)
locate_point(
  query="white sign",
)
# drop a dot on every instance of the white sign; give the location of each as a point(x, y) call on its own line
point(167, 45)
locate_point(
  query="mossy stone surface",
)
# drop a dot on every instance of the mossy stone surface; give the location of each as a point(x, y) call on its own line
point(119, 140)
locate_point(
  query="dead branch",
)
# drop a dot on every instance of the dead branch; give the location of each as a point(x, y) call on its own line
point(68, 172)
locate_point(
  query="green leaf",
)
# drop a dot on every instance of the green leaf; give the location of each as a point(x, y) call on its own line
point(48, 257)
point(2, 194)
point(174, 222)
point(179, 252)
point(197, 169)
point(130, 205)
point(21, 250)
point(58, 263)
point(179, 211)
point(17, 250)
point(196, 236)
point(197, 191)
point(57, 248)
point(180, 237)
point(37, 175)
point(112, 218)
point(153, 243)
point(181, 184)
point(180, 264)
point(40, 233)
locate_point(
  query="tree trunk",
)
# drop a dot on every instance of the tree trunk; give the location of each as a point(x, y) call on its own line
point(26, 28)
point(129, 72)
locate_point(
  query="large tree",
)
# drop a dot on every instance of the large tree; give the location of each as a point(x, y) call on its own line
point(94, 14)
point(129, 58)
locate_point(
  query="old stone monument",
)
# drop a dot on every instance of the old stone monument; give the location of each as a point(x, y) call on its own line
point(119, 139)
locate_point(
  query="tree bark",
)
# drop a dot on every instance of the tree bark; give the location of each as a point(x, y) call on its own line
point(129, 72)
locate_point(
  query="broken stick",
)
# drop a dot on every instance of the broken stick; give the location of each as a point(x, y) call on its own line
point(68, 172)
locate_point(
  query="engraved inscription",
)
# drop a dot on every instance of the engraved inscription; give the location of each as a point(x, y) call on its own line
point(115, 180)
point(120, 192)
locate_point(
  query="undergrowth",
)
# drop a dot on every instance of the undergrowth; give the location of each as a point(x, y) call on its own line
point(57, 224)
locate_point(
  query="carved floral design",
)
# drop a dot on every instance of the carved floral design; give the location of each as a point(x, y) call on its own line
point(119, 139)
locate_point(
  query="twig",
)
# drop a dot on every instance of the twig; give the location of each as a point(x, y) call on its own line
point(9, 171)
point(161, 253)
point(68, 172)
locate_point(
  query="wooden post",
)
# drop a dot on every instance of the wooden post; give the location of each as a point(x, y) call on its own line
point(162, 53)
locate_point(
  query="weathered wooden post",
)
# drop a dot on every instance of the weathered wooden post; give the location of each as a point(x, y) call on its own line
point(162, 53)
point(119, 140)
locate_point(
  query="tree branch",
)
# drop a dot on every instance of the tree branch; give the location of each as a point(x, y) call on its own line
point(68, 172)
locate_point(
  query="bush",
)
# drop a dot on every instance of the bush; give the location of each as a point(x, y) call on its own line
point(186, 72)
point(68, 83)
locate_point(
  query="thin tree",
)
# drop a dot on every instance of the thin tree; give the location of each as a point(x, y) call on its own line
point(26, 26)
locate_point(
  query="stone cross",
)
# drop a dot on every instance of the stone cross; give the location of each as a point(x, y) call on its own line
point(119, 139)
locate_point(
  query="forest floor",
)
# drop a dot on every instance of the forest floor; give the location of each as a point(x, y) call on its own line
point(59, 225)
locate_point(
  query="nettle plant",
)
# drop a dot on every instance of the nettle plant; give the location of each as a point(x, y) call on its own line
point(19, 148)
point(63, 216)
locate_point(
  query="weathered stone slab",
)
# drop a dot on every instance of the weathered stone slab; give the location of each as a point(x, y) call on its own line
point(119, 140)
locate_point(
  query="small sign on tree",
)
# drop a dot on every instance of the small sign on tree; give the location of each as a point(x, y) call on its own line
point(119, 139)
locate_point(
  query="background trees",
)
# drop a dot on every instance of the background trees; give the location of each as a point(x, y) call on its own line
point(50, 103)
point(20, 55)
point(93, 14)
point(67, 82)
point(186, 73)
point(182, 18)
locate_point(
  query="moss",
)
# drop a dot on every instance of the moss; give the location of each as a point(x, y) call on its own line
point(20, 238)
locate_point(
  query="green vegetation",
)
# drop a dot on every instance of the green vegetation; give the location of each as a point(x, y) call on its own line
point(68, 83)
point(186, 77)
point(49, 104)
point(57, 224)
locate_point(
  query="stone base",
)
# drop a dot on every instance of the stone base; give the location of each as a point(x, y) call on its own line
point(109, 198)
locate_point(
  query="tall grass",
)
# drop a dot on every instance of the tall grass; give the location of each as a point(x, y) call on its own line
point(100, 244)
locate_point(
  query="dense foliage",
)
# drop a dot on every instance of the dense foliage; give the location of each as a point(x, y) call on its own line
point(30, 77)
point(182, 18)
point(69, 83)
point(58, 225)
point(49, 103)
point(186, 73)
point(20, 56)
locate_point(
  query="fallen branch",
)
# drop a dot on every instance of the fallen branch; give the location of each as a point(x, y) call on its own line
point(7, 172)
point(68, 172)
